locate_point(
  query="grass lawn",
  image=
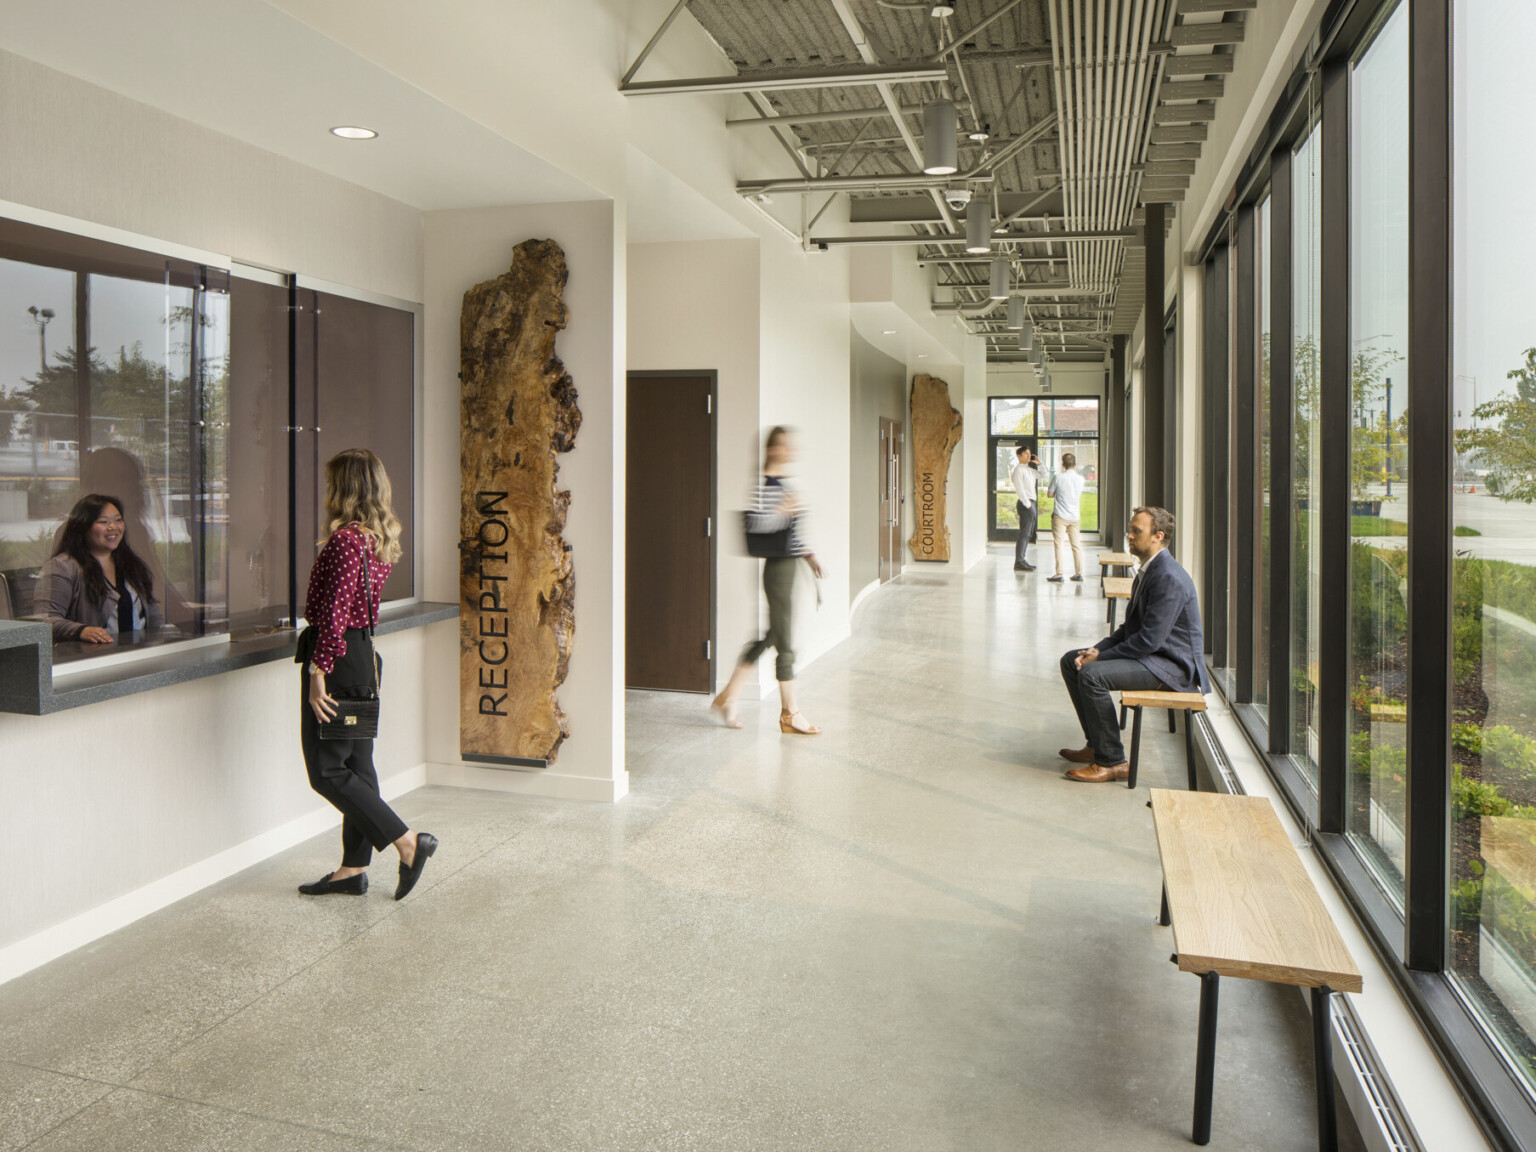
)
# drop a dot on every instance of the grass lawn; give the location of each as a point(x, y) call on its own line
point(1007, 516)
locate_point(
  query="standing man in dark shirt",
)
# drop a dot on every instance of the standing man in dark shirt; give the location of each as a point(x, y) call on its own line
point(1157, 649)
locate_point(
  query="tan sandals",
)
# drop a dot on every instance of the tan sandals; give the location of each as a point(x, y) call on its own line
point(787, 724)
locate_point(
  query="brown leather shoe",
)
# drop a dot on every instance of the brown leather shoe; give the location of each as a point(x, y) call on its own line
point(1083, 755)
point(1099, 773)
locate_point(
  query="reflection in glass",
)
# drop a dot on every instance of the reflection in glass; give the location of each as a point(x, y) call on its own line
point(1013, 416)
point(1493, 732)
point(1305, 578)
point(1378, 716)
point(39, 421)
point(1266, 480)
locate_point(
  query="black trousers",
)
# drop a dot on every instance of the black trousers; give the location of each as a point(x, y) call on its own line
point(342, 770)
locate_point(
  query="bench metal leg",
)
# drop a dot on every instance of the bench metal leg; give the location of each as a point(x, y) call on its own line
point(1122, 717)
point(1111, 613)
point(1130, 779)
point(1322, 1059)
point(1162, 915)
point(1172, 727)
point(1205, 1057)
point(1189, 748)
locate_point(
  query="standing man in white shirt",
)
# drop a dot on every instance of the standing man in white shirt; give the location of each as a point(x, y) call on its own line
point(1067, 489)
point(1025, 477)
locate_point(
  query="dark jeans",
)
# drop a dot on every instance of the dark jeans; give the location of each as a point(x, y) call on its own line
point(1090, 690)
point(1026, 530)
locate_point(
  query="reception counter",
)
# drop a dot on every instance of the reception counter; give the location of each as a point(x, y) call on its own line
point(36, 678)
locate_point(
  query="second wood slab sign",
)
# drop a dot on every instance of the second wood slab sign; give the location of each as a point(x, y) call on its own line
point(936, 429)
point(517, 589)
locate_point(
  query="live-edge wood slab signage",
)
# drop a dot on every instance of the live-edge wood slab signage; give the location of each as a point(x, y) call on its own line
point(936, 427)
point(516, 583)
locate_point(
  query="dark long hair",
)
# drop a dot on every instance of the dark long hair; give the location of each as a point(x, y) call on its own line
point(76, 543)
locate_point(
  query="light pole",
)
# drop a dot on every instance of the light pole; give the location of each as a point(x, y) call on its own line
point(1389, 437)
point(40, 317)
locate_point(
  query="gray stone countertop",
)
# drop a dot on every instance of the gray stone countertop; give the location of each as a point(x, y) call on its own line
point(27, 682)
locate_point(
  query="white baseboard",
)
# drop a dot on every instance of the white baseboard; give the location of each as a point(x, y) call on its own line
point(864, 593)
point(538, 782)
point(61, 939)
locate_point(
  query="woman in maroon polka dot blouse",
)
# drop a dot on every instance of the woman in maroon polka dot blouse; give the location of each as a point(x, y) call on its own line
point(335, 650)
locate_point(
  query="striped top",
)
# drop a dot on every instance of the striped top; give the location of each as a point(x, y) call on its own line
point(764, 514)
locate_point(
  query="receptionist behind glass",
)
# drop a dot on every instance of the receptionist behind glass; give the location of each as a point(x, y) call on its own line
point(95, 587)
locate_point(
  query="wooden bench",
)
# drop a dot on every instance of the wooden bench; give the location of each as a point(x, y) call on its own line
point(1108, 560)
point(1116, 588)
point(1242, 905)
point(1186, 702)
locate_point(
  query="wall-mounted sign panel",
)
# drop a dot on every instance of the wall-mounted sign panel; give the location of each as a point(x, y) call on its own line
point(936, 429)
point(516, 584)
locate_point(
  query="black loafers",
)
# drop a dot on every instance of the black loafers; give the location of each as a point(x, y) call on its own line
point(426, 844)
point(325, 886)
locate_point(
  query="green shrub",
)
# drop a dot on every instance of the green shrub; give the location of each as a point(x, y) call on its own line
point(1471, 798)
point(1507, 753)
point(1467, 737)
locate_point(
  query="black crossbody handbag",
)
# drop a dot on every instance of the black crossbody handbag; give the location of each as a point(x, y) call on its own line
point(357, 717)
point(766, 545)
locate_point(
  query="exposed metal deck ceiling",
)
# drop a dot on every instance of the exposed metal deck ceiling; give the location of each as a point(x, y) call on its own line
point(1084, 109)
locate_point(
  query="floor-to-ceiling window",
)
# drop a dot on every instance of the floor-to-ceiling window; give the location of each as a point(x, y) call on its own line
point(1493, 744)
point(1378, 320)
point(1306, 312)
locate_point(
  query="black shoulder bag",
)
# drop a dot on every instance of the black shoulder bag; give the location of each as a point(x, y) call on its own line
point(357, 717)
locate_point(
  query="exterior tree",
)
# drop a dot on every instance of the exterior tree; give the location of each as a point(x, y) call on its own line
point(1506, 444)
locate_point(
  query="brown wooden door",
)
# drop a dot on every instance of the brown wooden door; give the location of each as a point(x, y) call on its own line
point(669, 537)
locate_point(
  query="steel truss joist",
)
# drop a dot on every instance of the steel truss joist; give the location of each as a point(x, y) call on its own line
point(768, 81)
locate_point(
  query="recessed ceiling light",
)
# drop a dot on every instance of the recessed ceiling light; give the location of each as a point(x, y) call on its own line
point(888, 332)
point(352, 132)
point(922, 355)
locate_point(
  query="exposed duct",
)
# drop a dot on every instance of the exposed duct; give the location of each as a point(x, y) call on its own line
point(1108, 63)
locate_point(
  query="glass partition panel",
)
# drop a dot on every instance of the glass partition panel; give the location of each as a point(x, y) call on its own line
point(39, 422)
point(1493, 741)
point(1305, 577)
point(1378, 322)
point(257, 517)
point(1086, 455)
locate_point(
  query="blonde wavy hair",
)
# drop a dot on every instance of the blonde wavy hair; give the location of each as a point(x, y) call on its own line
point(357, 492)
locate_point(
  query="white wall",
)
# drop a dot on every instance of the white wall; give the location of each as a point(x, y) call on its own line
point(804, 373)
point(695, 305)
point(464, 248)
point(72, 148)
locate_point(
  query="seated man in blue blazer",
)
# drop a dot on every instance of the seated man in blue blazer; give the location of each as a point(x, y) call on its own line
point(1157, 648)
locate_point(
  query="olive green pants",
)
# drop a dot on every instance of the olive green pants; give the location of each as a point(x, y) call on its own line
point(779, 586)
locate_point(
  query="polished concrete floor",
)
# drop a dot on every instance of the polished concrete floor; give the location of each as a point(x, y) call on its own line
point(909, 933)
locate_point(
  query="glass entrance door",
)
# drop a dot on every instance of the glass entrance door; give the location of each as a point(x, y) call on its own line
point(1003, 513)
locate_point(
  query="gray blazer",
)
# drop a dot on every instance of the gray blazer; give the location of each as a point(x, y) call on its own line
point(61, 600)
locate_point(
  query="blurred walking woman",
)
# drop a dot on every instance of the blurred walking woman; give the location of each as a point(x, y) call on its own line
point(335, 650)
point(96, 588)
point(775, 509)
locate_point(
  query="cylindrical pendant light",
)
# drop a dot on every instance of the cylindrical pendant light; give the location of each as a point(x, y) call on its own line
point(1000, 278)
point(941, 129)
point(978, 225)
point(1015, 313)
point(1027, 336)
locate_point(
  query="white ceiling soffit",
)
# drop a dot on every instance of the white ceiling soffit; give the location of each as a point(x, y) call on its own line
point(662, 208)
point(245, 69)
